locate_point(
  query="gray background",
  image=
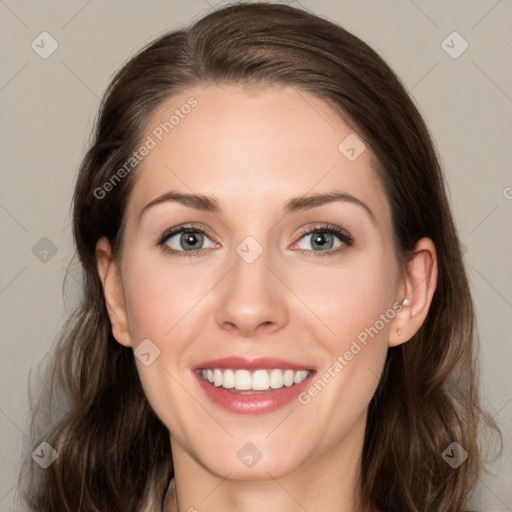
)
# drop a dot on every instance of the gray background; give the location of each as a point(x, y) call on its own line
point(48, 107)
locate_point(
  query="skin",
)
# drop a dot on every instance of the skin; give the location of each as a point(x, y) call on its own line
point(253, 149)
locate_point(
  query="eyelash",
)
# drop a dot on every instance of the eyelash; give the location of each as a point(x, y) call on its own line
point(344, 236)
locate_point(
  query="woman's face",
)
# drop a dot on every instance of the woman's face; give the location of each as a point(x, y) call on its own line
point(257, 292)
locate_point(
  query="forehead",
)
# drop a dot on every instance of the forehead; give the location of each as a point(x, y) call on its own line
point(246, 146)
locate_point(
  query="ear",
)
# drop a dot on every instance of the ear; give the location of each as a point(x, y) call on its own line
point(418, 288)
point(110, 275)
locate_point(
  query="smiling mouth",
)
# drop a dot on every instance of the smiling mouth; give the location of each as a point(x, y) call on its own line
point(260, 380)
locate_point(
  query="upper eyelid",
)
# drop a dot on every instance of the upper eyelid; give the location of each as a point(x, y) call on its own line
point(168, 233)
point(324, 227)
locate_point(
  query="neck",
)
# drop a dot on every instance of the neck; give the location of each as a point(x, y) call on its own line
point(329, 482)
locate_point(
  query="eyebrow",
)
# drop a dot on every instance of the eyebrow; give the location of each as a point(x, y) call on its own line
point(295, 204)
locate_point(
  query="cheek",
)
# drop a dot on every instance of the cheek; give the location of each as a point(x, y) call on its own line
point(354, 303)
point(162, 299)
point(348, 299)
point(162, 305)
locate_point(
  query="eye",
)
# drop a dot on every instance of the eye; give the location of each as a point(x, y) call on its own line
point(324, 239)
point(186, 239)
point(189, 241)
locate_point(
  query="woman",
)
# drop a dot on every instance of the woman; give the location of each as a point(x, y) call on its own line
point(276, 314)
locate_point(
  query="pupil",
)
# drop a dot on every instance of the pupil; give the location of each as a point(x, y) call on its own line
point(320, 240)
point(190, 238)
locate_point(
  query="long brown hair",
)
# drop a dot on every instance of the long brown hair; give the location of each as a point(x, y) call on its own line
point(108, 439)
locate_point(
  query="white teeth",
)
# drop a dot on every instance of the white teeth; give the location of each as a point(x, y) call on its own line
point(229, 379)
point(300, 376)
point(259, 380)
point(288, 378)
point(217, 377)
point(242, 380)
point(276, 379)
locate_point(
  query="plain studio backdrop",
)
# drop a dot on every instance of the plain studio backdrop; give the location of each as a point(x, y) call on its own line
point(57, 58)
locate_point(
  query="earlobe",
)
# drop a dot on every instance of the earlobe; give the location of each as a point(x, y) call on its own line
point(418, 289)
point(110, 276)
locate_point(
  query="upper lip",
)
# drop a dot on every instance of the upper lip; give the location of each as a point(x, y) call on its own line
point(241, 363)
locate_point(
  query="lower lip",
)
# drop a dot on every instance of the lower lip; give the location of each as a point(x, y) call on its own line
point(258, 402)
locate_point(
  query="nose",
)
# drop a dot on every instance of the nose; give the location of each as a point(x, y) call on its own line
point(252, 299)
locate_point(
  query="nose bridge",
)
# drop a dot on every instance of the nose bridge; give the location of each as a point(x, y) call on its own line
point(251, 297)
